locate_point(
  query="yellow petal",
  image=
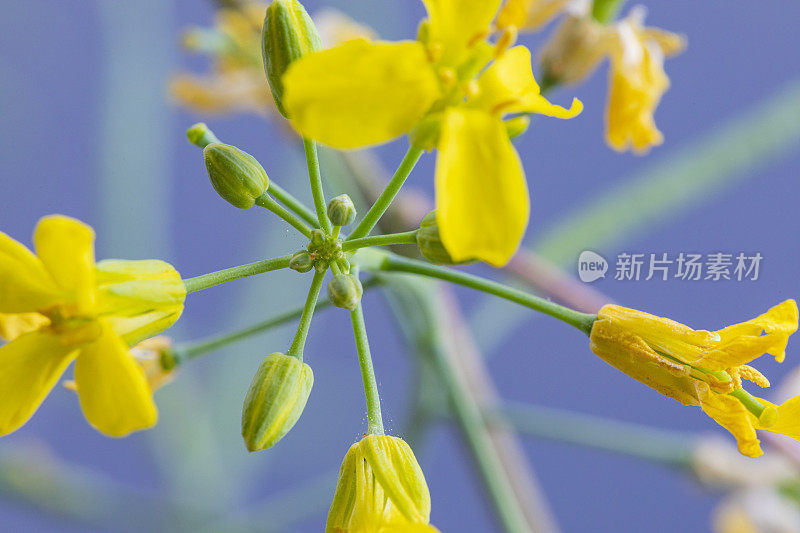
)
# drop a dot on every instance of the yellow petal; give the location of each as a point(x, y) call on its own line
point(25, 285)
point(481, 194)
point(529, 14)
point(729, 413)
point(778, 324)
point(12, 326)
point(788, 418)
point(629, 353)
point(508, 86)
point(132, 288)
point(112, 387)
point(360, 93)
point(29, 368)
point(66, 247)
point(456, 24)
point(135, 329)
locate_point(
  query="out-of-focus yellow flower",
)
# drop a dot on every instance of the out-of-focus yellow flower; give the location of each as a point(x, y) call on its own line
point(638, 82)
point(704, 368)
point(530, 14)
point(58, 306)
point(637, 79)
point(236, 81)
point(381, 489)
point(452, 87)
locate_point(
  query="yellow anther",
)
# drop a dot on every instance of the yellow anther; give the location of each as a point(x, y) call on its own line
point(506, 40)
point(434, 52)
point(447, 76)
point(751, 374)
point(478, 37)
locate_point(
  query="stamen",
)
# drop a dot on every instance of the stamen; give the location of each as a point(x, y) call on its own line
point(471, 88)
point(434, 52)
point(447, 76)
point(506, 40)
point(751, 374)
point(478, 37)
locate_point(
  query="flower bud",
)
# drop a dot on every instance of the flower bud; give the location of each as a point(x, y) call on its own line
point(430, 244)
point(288, 34)
point(380, 486)
point(235, 175)
point(276, 398)
point(200, 135)
point(317, 239)
point(302, 261)
point(345, 291)
point(341, 211)
point(576, 49)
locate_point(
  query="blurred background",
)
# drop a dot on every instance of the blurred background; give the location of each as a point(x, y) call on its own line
point(89, 130)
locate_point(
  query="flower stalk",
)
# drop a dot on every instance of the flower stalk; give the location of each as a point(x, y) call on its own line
point(374, 418)
point(205, 281)
point(299, 342)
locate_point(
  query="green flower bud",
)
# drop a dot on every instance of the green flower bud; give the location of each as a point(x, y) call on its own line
point(430, 244)
point(200, 135)
point(345, 291)
point(235, 175)
point(276, 398)
point(341, 211)
point(302, 261)
point(288, 34)
point(318, 238)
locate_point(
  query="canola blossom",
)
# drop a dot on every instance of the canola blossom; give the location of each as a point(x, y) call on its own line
point(704, 368)
point(451, 90)
point(59, 306)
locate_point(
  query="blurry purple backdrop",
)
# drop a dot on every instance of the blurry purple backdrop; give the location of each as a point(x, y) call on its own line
point(87, 131)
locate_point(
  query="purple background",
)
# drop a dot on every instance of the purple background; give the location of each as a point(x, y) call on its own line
point(87, 132)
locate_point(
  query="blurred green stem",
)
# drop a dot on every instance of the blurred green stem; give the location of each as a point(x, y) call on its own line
point(408, 237)
point(606, 11)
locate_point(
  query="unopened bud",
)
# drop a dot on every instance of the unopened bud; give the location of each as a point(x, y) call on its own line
point(235, 175)
point(288, 34)
point(345, 291)
point(576, 49)
point(276, 398)
point(341, 211)
point(430, 243)
point(302, 261)
point(200, 135)
point(380, 472)
point(317, 239)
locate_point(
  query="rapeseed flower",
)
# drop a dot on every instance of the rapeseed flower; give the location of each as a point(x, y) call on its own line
point(704, 368)
point(58, 306)
point(450, 89)
point(637, 79)
point(381, 489)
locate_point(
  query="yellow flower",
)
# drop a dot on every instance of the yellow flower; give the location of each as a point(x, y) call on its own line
point(58, 306)
point(363, 93)
point(381, 489)
point(704, 368)
point(529, 14)
point(236, 80)
point(638, 82)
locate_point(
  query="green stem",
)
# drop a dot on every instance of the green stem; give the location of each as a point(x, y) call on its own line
point(385, 199)
point(374, 419)
point(299, 342)
point(582, 321)
point(315, 177)
point(661, 446)
point(409, 237)
point(205, 281)
point(189, 350)
point(295, 205)
point(605, 11)
point(267, 202)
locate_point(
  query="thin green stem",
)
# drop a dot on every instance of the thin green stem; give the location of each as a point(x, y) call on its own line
point(205, 281)
point(385, 199)
point(315, 177)
point(189, 350)
point(299, 342)
point(582, 321)
point(267, 202)
point(408, 237)
point(374, 418)
point(657, 445)
point(605, 11)
point(294, 205)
